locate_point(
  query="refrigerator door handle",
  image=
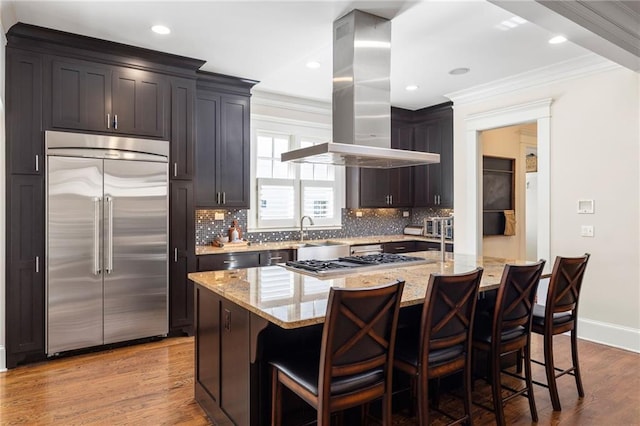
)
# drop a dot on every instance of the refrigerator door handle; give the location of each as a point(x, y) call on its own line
point(96, 236)
point(109, 266)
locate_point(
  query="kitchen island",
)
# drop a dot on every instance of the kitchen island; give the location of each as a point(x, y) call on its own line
point(246, 317)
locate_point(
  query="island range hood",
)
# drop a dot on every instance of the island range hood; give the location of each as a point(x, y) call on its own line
point(361, 100)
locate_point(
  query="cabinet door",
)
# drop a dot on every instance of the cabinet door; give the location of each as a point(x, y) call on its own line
point(426, 178)
point(232, 166)
point(80, 96)
point(182, 254)
point(219, 262)
point(234, 360)
point(25, 144)
point(401, 179)
point(138, 103)
point(207, 135)
point(446, 163)
point(182, 128)
point(25, 269)
point(374, 188)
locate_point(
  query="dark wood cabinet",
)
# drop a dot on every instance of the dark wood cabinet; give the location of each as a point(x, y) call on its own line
point(399, 247)
point(183, 93)
point(25, 142)
point(25, 296)
point(97, 97)
point(224, 261)
point(380, 188)
point(268, 258)
point(222, 141)
point(433, 184)
point(182, 255)
point(433, 246)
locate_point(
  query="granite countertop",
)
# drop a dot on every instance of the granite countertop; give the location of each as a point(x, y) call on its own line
point(285, 245)
point(291, 300)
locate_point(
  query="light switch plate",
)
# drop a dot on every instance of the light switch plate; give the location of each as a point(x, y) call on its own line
point(586, 231)
point(585, 206)
point(218, 216)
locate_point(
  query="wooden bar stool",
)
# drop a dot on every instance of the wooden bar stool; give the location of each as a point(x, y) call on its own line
point(444, 344)
point(559, 315)
point(355, 363)
point(510, 332)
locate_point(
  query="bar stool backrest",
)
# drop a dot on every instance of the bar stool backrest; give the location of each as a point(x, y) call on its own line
point(565, 284)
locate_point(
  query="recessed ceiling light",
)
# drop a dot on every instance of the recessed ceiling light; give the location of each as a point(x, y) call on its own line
point(411, 88)
point(313, 64)
point(160, 29)
point(459, 71)
point(557, 39)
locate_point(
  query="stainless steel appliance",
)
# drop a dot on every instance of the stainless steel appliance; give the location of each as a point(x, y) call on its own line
point(107, 240)
point(436, 226)
point(366, 249)
point(413, 230)
point(348, 264)
point(361, 100)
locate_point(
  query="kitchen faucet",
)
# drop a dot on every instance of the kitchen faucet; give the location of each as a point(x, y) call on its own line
point(302, 228)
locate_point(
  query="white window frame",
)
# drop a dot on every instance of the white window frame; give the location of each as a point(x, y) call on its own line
point(296, 131)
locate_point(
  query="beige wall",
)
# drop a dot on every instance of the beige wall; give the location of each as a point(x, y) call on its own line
point(594, 153)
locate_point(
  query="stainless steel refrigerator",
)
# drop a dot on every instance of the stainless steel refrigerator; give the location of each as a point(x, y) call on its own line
point(107, 240)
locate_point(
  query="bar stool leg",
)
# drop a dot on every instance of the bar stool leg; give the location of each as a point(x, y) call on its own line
point(496, 389)
point(549, 367)
point(576, 365)
point(467, 394)
point(527, 372)
point(276, 399)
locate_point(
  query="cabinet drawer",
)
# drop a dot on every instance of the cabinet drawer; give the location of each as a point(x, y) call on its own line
point(218, 262)
point(399, 247)
point(275, 256)
point(432, 246)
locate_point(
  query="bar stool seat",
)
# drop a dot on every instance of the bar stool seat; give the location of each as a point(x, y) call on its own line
point(558, 318)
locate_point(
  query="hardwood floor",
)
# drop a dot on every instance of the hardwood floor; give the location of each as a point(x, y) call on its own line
point(152, 384)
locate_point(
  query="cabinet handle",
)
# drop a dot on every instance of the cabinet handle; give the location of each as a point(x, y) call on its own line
point(175, 255)
point(37, 163)
point(227, 320)
point(37, 264)
point(275, 258)
point(108, 121)
point(401, 248)
point(435, 199)
point(175, 169)
point(438, 200)
point(224, 198)
point(115, 121)
point(217, 198)
point(228, 262)
point(391, 198)
point(109, 267)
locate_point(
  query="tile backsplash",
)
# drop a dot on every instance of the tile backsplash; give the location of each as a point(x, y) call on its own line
point(372, 222)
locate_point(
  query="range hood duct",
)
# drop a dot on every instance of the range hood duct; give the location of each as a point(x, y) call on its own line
point(361, 100)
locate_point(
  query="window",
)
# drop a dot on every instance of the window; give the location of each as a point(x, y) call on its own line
point(287, 191)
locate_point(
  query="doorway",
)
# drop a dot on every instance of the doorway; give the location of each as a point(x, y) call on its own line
point(538, 112)
point(511, 231)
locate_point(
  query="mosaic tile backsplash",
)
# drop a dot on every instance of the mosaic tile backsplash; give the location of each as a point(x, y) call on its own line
point(372, 222)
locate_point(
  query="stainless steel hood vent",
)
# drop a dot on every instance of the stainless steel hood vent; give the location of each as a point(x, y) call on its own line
point(361, 100)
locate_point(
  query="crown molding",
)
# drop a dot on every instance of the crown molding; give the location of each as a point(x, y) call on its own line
point(581, 66)
point(293, 103)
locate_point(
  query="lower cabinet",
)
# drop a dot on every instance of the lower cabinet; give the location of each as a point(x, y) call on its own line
point(181, 256)
point(399, 247)
point(272, 257)
point(239, 260)
point(25, 300)
point(433, 246)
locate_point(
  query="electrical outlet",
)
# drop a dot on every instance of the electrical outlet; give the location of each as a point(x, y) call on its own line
point(218, 216)
point(586, 231)
point(405, 214)
point(358, 214)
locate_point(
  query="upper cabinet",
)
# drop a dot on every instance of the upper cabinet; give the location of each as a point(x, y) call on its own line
point(222, 141)
point(433, 184)
point(25, 143)
point(96, 97)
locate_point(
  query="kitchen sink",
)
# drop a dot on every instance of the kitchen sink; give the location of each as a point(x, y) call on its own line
point(321, 250)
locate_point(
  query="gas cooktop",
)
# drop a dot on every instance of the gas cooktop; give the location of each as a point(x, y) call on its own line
point(349, 264)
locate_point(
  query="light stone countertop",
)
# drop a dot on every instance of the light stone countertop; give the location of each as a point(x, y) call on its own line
point(291, 300)
point(285, 245)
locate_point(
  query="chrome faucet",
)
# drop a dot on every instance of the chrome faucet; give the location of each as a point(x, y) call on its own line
point(302, 226)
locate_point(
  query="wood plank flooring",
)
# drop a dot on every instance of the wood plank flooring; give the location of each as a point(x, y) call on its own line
point(152, 384)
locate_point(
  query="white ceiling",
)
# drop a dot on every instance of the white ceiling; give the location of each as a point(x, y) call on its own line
point(271, 41)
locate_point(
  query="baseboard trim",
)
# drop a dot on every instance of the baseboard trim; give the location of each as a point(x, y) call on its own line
point(3, 359)
point(609, 334)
